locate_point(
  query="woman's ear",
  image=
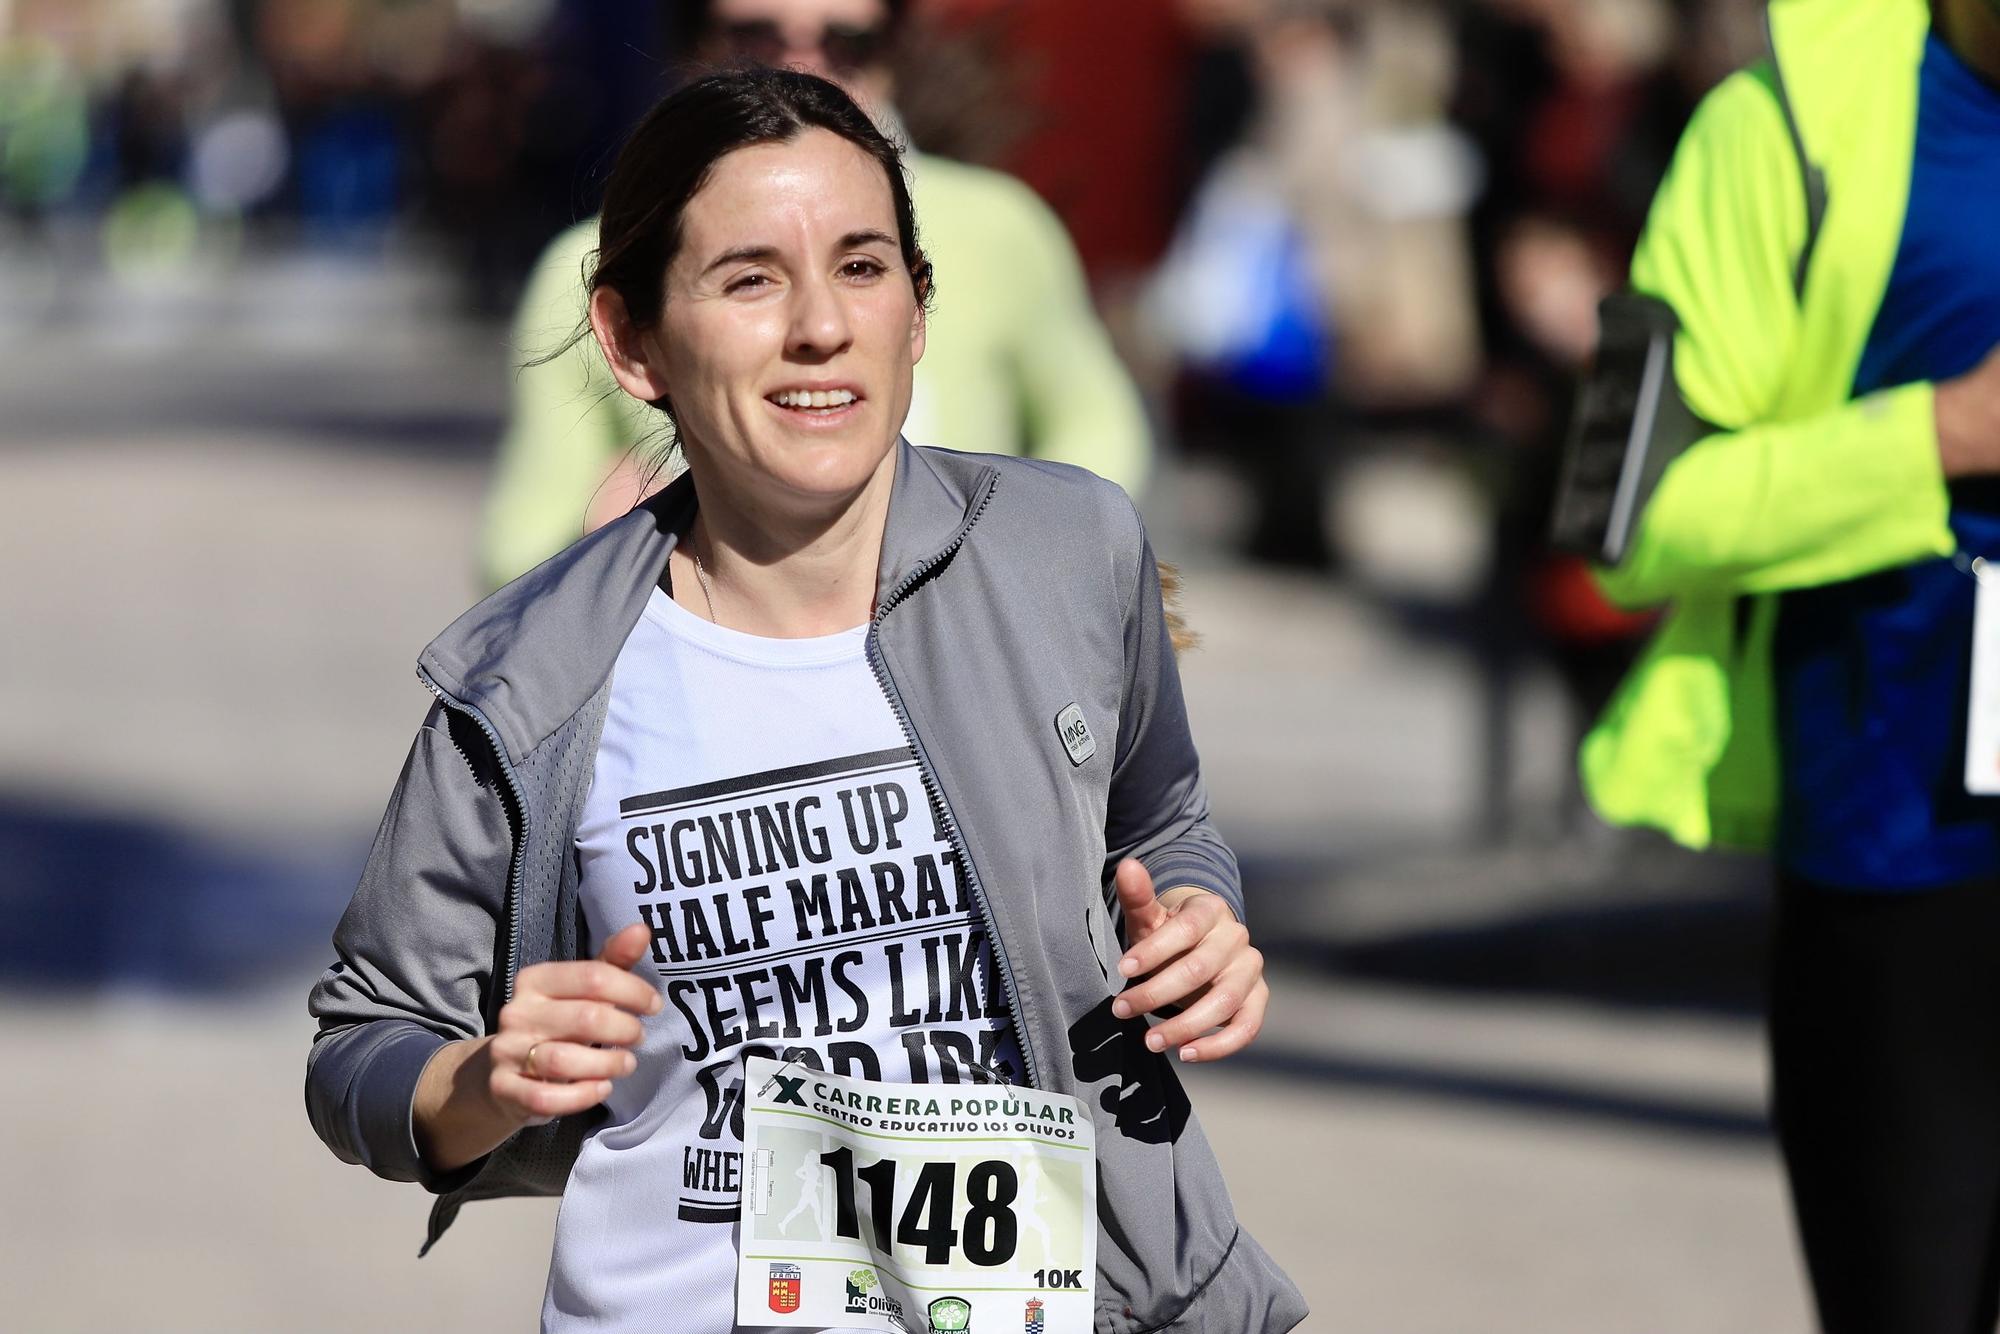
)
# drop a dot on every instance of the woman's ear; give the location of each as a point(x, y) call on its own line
point(627, 351)
point(920, 322)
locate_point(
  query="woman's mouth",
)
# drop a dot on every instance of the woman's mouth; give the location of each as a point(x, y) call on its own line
point(814, 402)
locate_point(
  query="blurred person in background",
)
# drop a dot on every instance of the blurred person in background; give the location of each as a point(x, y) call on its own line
point(1576, 107)
point(1823, 685)
point(813, 598)
point(1322, 271)
point(526, 104)
point(1018, 361)
point(1082, 108)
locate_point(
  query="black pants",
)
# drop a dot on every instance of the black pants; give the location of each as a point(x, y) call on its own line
point(1885, 1055)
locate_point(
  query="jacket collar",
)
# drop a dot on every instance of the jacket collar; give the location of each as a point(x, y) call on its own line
point(1825, 51)
point(533, 653)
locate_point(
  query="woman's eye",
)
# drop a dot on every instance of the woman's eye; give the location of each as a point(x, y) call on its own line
point(862, 268)
point(748, 282)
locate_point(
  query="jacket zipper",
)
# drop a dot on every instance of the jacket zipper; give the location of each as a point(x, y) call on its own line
point(935, 791)
point(519, 851)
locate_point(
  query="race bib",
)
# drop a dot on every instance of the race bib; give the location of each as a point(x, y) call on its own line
point(914, 1208)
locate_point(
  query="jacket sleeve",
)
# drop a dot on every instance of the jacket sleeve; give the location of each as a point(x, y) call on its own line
point(1765, 505)
point(1078, 402)
point(567, 422)
point(1158, 809)
point(414, 953)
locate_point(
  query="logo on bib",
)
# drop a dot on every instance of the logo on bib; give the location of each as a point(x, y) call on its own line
point(785, 1281)
point(1032, 1322)
point(862, 1300)
point(949, 1315)
point(1075, 734)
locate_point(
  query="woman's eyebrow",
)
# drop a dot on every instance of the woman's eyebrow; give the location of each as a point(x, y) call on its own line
point(752, 254)
point(741, 254)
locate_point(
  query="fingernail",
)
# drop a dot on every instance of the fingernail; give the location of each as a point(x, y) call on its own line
point(1155, 1041)
point(655, 1004)
point(1127, 967)
point(1190, 1054)
point(1121, 1009)
point(631, 1063)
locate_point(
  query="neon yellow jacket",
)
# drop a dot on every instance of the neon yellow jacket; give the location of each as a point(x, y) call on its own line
point(1803, 486)
point(1016, 362)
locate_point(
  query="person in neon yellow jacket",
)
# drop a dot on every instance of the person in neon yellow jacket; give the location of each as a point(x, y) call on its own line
point(1827, 235)
point(1017, 360)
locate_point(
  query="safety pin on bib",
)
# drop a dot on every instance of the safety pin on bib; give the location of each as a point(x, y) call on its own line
point(766, 1090)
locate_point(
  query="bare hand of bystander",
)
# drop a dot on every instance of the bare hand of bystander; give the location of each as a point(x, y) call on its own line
point(1968, 420)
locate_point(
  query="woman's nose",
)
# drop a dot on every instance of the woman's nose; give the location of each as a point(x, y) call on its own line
point(819, 320)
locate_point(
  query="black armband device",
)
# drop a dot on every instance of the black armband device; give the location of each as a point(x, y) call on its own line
point(1630, 423)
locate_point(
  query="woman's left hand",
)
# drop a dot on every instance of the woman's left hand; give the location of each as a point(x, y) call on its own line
point(1191, 950)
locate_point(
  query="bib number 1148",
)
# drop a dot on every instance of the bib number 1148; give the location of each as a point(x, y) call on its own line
point(987, 1233)
point(891, 1208)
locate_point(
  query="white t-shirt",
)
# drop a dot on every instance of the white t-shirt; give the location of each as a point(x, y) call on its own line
point(756, 803)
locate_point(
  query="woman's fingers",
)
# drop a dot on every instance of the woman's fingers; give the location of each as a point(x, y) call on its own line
point(627, 947)
point(582, 1021)
point(567, 1062)
point(1224, 1000)
point(1144, 913)
point(591, 979)
point(563, 1039)
point(539, 1078)
point(1184, 926)
point(1178, 978)
point(1213, 1008)
point(1201, 957)
point(1235, 1035)
point(540, 1100)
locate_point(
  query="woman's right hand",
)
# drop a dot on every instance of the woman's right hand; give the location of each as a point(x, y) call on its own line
point(569, 1031)
point(563, 1039)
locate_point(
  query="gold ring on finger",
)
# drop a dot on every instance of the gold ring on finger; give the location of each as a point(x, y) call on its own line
point(528, 1062)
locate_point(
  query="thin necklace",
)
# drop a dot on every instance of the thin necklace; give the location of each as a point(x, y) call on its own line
point(707, 593)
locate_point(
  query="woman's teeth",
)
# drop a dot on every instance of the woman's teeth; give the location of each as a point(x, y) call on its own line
point(814, 398)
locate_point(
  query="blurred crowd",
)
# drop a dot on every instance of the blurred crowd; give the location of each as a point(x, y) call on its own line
point(1439, 188)
point(1314, 227)
point(1339, 208)
point(164, 127)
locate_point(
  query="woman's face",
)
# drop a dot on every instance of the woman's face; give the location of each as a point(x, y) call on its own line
point(790, 325)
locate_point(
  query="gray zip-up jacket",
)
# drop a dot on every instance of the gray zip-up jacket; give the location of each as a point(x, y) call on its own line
point(1008, 591)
